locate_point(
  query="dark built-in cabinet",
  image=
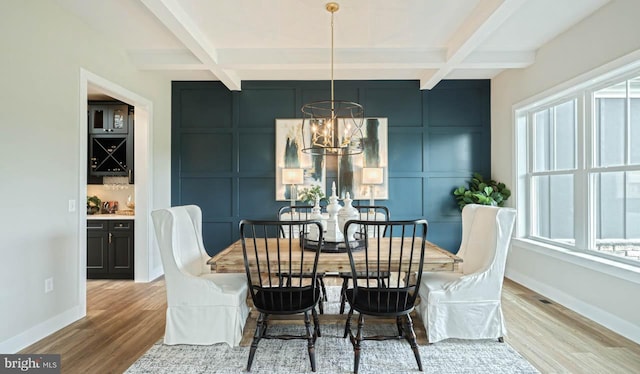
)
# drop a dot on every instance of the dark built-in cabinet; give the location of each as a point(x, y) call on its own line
point(110, 249)
point(108, 118)
point(110, 141)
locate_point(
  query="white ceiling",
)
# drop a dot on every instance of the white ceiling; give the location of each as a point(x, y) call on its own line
point(426, 40)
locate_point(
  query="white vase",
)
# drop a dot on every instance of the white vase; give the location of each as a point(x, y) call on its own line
point(316, 214)
point(347, 213)
point(334, 232)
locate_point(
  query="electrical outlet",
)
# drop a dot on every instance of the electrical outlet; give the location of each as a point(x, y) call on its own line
point(48, 285)
point(72, 205)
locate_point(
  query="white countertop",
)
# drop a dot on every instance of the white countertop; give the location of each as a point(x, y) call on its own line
point(109, 216)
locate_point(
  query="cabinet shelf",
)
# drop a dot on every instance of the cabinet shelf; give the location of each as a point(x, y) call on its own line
point(108, 118)
point(110, 141)
point(108, 156)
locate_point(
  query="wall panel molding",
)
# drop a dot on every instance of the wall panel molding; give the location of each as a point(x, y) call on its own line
point(223, 147)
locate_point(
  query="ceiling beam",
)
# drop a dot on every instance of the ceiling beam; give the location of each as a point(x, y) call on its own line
point(487, 16)
point(181, 59)
point(321, 56)
point(174, 18)
point(313, 59)
point(498, 60)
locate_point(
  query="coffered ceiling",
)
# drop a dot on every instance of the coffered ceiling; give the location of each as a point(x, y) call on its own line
point(425, 40)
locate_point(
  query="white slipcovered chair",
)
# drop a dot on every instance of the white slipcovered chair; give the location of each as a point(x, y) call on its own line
point(202, 307)
point(466, 304)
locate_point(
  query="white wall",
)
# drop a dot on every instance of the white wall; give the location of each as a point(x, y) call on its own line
point(43, 51)
point(596, 290)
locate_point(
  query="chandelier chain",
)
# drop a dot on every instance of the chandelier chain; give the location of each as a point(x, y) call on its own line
point(332, 95)
point(332, 127)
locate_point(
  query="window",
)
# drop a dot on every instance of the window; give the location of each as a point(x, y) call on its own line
point(552, 172)
point(615, 176)
point(581, 174)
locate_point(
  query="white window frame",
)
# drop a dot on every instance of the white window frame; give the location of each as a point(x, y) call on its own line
point(583, 91)
point(532, 173)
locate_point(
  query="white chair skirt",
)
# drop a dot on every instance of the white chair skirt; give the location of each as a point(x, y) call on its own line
point(205, 325)
point(462, 320)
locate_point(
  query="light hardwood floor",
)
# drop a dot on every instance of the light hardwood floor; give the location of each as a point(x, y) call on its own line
point(124, 319)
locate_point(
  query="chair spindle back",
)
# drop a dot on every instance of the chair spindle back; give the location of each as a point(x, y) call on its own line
point(278, 267)
point(389, 275)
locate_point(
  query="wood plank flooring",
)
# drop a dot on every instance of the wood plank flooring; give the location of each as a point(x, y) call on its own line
point(557, 340)
point(124, 319)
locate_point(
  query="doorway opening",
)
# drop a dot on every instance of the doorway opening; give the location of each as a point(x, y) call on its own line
point(145, 259)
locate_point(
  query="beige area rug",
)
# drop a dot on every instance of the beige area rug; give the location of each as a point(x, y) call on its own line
point(335, 354)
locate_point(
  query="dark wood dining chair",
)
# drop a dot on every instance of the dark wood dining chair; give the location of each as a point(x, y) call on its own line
point(397, 298)
point(373, 213)
point(267, 257)
point(297, 212)
point(367, 213)
point(302, 212)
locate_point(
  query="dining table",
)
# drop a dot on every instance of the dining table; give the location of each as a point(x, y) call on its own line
point(231, 260)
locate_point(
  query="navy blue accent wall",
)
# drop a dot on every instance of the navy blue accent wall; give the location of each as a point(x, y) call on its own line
point(223, 147)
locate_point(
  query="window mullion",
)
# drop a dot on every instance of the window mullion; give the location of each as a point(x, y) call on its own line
point(627, 144)
point(593, 160)
point(582, 215)
point(554, 172)
point(532, 226)
point(627, 124)
point(553, 163)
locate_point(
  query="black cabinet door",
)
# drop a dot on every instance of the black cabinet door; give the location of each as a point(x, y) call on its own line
point(97, 249)
point(121, 249)
point(110, 249)
point(108, 118)
point(98, 119)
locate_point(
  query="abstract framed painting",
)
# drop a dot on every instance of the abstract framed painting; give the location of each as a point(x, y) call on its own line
point(367, 172)
point(290, 160)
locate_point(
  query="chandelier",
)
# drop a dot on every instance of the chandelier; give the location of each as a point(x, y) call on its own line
point(332, 127)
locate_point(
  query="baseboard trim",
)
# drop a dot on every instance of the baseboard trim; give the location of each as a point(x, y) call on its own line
point(600, 316)
point(156, 273)
point(41, 330)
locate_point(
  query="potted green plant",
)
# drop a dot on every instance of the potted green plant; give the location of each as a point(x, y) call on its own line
point(309, 195)
point(481, 192)
point(93, 204)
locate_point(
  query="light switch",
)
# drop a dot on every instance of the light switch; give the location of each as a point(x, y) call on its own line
point(48, 285)
point(72, 205)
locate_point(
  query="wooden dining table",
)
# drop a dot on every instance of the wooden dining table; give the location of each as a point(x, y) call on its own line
point(230, 260)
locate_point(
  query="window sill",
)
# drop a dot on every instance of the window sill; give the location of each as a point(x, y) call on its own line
point(602, 265)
